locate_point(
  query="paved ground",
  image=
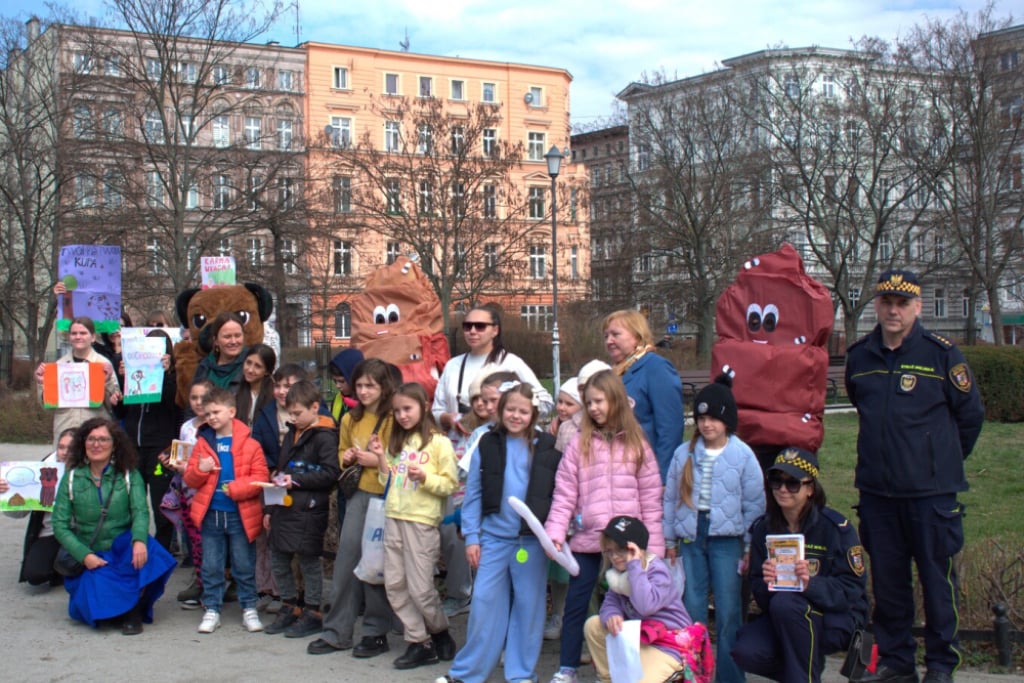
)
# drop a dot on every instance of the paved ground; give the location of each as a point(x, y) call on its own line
point(43, 644)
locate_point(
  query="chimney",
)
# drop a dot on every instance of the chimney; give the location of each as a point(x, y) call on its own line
point(32, 27)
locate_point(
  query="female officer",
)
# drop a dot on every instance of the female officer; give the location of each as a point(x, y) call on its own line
point(795, 631)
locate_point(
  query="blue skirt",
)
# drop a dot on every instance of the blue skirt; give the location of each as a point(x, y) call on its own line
point(115, 588)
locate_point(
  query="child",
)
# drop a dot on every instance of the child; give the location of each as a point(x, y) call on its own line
point(713, 494)
point(607, 470)
point(308, 469)
point(640, 587)
point(374, 386)
point(341, 367)
point(225, 463)
point(418, 472)
point(513, 459)
point(257, 389)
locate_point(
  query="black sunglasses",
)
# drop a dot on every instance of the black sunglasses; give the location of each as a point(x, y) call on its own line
point(478, 326)
point(792, 485)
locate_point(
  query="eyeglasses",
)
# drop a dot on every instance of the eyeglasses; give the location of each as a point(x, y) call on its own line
point(98, 440)
point(478, 326)
point(792, 485)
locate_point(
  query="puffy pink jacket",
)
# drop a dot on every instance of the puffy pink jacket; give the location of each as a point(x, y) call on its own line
point(605, 487)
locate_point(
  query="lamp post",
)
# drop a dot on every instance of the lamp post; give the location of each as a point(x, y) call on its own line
point(554, 159)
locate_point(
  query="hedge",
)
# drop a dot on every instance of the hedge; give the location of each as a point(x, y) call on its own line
point(999, 372)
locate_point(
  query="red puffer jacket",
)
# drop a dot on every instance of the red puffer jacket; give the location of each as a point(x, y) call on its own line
point(250, 466)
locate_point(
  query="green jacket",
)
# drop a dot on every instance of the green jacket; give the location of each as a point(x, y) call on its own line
point(74, 518)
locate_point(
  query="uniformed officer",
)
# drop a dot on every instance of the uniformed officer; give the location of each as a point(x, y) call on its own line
point(920, 416)
point(797, 628)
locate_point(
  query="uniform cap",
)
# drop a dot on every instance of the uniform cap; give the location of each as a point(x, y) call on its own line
point(899, 282)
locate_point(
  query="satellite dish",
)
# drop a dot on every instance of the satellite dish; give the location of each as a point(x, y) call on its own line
point(528, 98)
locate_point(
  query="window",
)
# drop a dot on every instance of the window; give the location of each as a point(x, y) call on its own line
point(392, 190)
point(490, 137)
point(153, 127)
point(491, 258)
point(965, 304)
point(342, 321)
point(425, 201)
point(221, 75)
point(341, 135)
point(112, 66)
point(536, 96)
point(424, 139)
point(854, 296)
point(285, 80)
point(920, 250)
point(536, 317)
point(574, 263)
point(391, 252)
point(458, 90)
point(828, 86)
point(254, 252)
point(537, 202)
point(255, 187)
point(252, 77)
point(221, 131)
point(643, 157)
point(489, 93)
point(459, 200)
point(535, 146)
point(342, 257)
point(221, 192)
point(192, 197)
point(646, 263)
point(939, 253)
point(113, 124)
point(284, 133)
point(113, 184)
point(538, 262)
point(81, 122)
point(342, 187)
point(82, 63)
point(85, 192)
point(459, 259)
point(1008, 60)
point(187, 72)
point(392, 137)
point(885, 248)
point(154, 260)
point(187, 128)
point(390, 84)
point(286, 193)
point(253, 134)
point(940, 302)
point(426, 86)
point(490, 201)
point(792, 87)
point(340, 79)
point(458, 139)
point(574, 201)
point(154, 188)
point(154, 69)
point(288, 256)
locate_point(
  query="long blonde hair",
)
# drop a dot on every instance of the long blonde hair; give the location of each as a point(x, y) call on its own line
point(621, 422)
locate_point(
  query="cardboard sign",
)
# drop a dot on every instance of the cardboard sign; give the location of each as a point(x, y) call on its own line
point(217, 271)
point(32, 485)
point(143, 370)
point(73, 385)
point(92, 275)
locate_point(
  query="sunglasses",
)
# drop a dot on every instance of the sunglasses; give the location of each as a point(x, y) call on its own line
point(792, 485)
point(479, 327)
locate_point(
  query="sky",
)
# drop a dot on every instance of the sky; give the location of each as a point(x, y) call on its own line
point(604, 44)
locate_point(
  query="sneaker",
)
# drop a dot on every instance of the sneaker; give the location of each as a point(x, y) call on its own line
point(553, 627)
point(565, 675)
point(323, 647)
point(251, 620)
point(371, 646)
point(210, 622)
point(308, 624)
point(189, 597)
point(285, 618)
point(444, 645)
point(417, 654)
point(453, 607)
point(447, 679)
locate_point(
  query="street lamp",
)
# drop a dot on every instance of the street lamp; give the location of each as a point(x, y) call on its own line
point(554, 159)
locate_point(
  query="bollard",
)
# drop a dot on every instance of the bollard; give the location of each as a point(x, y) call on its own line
point(1001, 628)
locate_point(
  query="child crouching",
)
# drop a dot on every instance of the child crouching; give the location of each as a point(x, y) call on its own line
point(640, 587)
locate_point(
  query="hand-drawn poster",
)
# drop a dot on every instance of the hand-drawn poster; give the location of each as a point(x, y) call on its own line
point(73, 385)
point(32, 485)
point(138, 332)
point(143, 371)
point(92, 275)
point(217, 271)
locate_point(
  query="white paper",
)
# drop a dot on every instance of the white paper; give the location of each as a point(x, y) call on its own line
point(624, 653)
point(274, 495)
point(564, 556)
point(73, 385)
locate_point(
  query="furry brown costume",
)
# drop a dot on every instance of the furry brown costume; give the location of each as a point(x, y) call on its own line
point(197, 308)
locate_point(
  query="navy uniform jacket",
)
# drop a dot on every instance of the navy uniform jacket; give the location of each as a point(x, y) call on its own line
point(920, 414)
point(835, 559)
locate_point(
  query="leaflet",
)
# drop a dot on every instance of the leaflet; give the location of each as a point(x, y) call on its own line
point(786, 550)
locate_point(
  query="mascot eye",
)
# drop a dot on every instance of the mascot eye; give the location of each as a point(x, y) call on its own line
point(379, 316)
point(771, 317)
point(393, 314)
point(244, 315)
point(198, 321)
point(753, 317)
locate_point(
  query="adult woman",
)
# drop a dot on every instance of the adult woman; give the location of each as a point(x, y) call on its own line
point(651, 381)
point(157, 318)
point(223, 367)
point(81, 336)
point(125, 570)
point(795, 631)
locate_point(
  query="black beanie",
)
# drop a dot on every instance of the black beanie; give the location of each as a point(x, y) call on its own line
point(715, 400)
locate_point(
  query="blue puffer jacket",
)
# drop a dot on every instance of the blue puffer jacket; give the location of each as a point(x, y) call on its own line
point(737, 493)
point(657, 392)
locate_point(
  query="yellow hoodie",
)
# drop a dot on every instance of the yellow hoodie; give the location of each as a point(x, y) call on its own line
point(415, 501)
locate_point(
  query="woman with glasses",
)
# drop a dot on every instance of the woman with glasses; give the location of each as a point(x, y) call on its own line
point(796, 629)
point(100, 517)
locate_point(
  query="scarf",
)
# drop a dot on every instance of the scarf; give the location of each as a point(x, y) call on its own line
point(631, 360)
point(222, 375)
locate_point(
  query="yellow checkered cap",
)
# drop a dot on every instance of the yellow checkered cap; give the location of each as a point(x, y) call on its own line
point(900, 282)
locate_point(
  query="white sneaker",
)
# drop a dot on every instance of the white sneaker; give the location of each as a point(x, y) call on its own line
point(553, 627)
point(565, 675)
point(210, 622)
point(251, 620)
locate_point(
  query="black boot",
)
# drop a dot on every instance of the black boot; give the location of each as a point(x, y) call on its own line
point(131, 623)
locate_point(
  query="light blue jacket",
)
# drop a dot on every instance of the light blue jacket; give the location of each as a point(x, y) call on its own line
point(737, 493)
point(657, 392)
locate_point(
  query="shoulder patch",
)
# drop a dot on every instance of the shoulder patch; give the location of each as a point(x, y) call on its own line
point(960, 376)
point(835, 517)
point(855, 556)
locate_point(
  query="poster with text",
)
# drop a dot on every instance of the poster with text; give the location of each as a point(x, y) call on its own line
point(217, 271)
point(143, 371)
point(91, 274)
point(73, 385)
point(32, 485)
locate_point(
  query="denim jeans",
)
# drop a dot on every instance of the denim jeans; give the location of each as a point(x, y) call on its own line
point(711, 564)
point(223, 533)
